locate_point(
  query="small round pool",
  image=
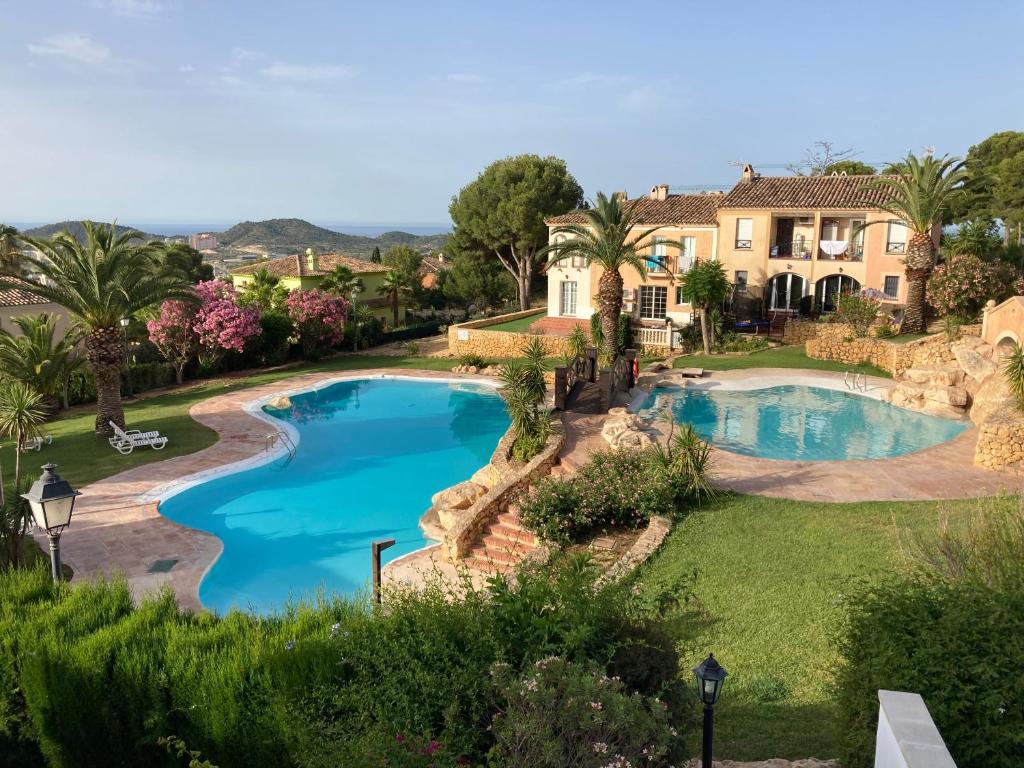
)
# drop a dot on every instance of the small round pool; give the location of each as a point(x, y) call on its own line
point(801, 423)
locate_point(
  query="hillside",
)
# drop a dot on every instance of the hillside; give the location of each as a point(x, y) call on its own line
point(76, 228)
point(297, 234)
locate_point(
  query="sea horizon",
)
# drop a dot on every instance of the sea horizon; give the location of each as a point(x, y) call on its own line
point(170, 228)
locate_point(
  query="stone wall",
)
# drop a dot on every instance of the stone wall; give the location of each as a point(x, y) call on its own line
point(508, 479)
point(1000, 442)
point(645, 546)
point(835, 341)
point(474, 338)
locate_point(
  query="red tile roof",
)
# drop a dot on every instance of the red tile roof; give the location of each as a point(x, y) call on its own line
point(14, 294)
point(675, 209)
point(804, 193)
point(296, 266)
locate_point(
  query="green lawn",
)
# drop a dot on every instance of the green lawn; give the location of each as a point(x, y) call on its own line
point(519, 325)
point(769, 578)
point(779, 357)
point(84, 458)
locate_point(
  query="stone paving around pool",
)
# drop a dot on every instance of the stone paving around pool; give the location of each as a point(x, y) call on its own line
point(116, 529)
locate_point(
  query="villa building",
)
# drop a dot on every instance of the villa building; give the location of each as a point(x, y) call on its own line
point(305, 271)
point(788, 243)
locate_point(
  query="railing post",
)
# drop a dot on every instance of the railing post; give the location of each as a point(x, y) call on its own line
point(630, 357)
point(604, 385)
point(561, 393)
point(591, 364)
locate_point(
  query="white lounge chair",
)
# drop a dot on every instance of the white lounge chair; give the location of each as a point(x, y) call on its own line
point(126, 442)
point(36, 443)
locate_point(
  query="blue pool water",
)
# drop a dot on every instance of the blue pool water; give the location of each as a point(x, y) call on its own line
point(371, 453)
point(801, 423)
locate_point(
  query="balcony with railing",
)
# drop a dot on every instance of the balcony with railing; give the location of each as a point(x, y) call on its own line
point(799, 248)
point(840, 250)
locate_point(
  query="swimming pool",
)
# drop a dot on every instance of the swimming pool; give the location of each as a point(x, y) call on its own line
point(370, 454)
point(801, 423)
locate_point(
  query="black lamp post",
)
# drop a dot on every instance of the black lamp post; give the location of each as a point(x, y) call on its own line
point(710, 675)
point(125, 322)
point(52, 500)
point(376, 547)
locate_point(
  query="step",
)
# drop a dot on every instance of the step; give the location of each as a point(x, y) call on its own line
point(499, 556)
point(514, 533)
point(495, 543)
point(510, 519)
point(486, 566)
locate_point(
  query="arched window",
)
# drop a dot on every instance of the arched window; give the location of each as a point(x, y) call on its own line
point(829, 288)
point(785, 292)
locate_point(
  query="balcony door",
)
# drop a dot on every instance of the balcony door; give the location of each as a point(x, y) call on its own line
point(784, 237)
point(567, 302)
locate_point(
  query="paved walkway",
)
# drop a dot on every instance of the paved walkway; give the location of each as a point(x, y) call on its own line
point(113, 530)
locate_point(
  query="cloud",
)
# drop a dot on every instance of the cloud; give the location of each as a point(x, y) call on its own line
point(240, 55)
point(640, 98)
point(135, 9)
point(186, 68)
point(586, 80)
point(229, 80)
point(467, 78)
point(301, 73)
point(72, 46)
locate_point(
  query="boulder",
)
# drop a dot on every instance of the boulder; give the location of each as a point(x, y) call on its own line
point(993, 399)
point(623, 429)
point(974, 343)
point(940, 375)
point(460, 496)
point(487, 476)
point(948, 402)
point(974, 364)
point(447, 518)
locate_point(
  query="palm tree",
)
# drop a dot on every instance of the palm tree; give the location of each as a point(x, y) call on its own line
point(608, 240)
point(264, 291)
point(10, 248)
point(341, 281)
point(395, 283)
point(37, 358)
point(107, 277)
point(705, 286)
point(21, 414)
point(919, 195)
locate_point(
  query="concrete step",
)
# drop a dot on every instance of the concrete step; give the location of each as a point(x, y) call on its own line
point(514, 533)
point(488, 564)
point(495, 543)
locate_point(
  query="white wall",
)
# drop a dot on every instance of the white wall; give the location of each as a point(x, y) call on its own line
point(907, 736)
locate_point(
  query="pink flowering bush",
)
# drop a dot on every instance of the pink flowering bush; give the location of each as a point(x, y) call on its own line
point(213, 326)
point(319, 319)
point(964, 283)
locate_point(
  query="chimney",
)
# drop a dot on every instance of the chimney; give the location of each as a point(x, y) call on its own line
point(621, 195)
point(659, 192)
point(748, 173)
point(312, 262)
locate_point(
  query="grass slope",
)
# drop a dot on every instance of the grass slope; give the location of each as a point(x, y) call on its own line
point(769, 576)
point(779, 357)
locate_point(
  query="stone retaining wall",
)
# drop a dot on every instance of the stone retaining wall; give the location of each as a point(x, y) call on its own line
point(474, 338)
point(835, 341)
point(512, 479)
point(645, 546)
point(1000, 443)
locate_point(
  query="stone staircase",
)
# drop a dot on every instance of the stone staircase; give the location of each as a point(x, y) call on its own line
point(502, 546)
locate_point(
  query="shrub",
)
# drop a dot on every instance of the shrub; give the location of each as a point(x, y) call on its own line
point(949, 630)
point(951, 325)
point(687, 463)
point(965, 282)
point(577, 343)
point(1013, 371)
point(412, 348)
point(319, 320)
point(473, 360)
point(734, 342)
point(859, 312)
point(274, 341)
point(624, 332)
point(885, 331)
point(561, 714)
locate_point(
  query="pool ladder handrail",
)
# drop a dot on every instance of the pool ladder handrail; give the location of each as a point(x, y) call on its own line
point(862, 386)
point(286, 440)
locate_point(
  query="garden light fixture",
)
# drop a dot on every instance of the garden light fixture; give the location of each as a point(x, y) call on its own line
point(710, 676)
point(52, 500)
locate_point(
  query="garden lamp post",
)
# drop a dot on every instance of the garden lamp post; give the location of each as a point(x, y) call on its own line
point(710, 675)
point(355, 324)
point(376, 548)
point(125, 322)
point(52, 499)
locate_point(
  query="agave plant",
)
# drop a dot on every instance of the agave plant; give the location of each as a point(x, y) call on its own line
point(919, 195)
point(577, 343)
point(1013, 370)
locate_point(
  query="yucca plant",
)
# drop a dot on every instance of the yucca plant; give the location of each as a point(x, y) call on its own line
point(919, 195)
point(611, 240)
point(38, 357)
point(21, 414)
point(99, 281)
point(1013, 370)
point(686, 458)
point(523, 389)
point(577, 343)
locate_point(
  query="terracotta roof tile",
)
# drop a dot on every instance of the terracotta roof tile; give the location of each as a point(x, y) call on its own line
point(675, 209)
point(13, 294)
point(295, 266)
point(804, 193)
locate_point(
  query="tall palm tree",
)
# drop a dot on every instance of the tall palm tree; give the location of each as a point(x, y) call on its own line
point(107, 277)
point(38, 357)
point(10, 247)
point(21, 414)
point(395, 284)
point(609, 240)
point(341, 281)
point(919, 195)
point(264, 291)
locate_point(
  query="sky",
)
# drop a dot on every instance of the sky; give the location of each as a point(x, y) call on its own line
point(216, 111)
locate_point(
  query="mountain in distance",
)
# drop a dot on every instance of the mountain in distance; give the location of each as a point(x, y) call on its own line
point(290, 235)
point(280, 237)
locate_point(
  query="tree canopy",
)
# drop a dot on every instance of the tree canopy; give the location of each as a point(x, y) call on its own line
point(403, 258)
point(850, 168)
point(183, 258)
point(502, 212)
point(995, 186)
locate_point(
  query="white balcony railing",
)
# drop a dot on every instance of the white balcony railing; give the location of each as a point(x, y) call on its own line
point(653, 337)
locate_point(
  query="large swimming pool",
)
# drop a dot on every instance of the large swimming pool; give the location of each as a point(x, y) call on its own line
point(371, 453)
point(801, 423)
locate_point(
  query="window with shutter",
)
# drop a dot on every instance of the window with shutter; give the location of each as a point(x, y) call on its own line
point(744, 233)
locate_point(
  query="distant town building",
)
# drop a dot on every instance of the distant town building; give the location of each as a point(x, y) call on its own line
point(203, 241)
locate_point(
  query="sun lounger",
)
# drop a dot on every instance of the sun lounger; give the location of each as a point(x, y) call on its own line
point(35, 443)
point(126, 442)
